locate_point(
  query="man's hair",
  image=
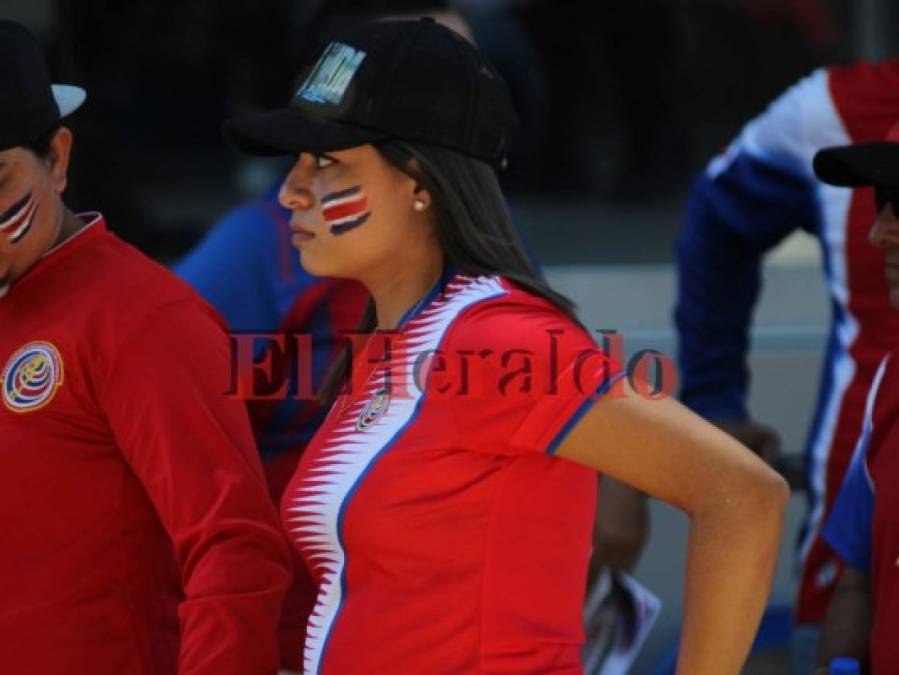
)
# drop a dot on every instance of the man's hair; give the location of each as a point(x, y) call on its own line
point(40, 146)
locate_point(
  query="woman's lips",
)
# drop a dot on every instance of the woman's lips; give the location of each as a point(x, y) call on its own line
point(300, 234)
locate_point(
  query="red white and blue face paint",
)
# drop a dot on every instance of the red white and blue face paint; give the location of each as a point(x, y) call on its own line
point(16, 220)
point(345, 210)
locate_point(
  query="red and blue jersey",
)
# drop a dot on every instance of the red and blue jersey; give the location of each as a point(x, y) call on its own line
point(863, 526)
point(752, 196)
point(443, 534)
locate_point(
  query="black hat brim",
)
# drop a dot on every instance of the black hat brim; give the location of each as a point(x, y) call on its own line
point(859, 165)
point(289, 131)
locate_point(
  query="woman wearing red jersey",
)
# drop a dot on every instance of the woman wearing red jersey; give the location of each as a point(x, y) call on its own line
point(445, 505)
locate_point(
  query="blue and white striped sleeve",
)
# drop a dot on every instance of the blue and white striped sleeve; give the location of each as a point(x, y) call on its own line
point(750, 197)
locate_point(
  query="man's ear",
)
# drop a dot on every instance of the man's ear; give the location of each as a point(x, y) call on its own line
point(58, 156)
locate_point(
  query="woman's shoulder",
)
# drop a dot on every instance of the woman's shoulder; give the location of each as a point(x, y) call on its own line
point(505, 315)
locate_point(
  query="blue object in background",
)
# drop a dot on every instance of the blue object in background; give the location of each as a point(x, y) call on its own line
point(844, 666)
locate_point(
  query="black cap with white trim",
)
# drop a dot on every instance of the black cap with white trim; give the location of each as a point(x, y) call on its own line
point(30, 105)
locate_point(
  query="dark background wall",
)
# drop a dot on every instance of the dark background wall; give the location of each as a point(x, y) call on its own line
point(621, 101)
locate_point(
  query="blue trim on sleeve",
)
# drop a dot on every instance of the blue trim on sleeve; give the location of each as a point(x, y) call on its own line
point(581, 411)
point(848, 529)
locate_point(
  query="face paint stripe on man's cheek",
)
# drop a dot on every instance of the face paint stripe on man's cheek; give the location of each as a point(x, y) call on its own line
point(26, 225)
point(16, 221)
point(345, 210)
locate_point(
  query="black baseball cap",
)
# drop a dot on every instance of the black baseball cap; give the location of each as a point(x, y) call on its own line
point(411, 80)
point(861, 164)
point(29, 104)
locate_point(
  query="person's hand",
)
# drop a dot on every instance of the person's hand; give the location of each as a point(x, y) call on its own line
point(622, 526)
point(761, 439)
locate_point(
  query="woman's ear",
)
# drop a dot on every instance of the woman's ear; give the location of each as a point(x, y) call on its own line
point(421, 199)
point(419, 196)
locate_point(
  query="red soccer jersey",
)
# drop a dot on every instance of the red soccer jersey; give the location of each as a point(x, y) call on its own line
point(883, 464)
point(864, 525)
point(443, 534)
point(136, 532)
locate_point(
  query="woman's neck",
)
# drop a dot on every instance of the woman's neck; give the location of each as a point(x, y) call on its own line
point(403, 289)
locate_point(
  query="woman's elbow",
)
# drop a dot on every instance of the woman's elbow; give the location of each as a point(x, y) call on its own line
point(758, 493)
point(765, 493)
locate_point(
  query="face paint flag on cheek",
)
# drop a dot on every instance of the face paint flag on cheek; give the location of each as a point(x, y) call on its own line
point(345, 210)
point(16, 221)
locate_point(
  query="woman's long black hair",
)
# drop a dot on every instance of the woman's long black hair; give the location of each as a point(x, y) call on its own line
point(474, 229)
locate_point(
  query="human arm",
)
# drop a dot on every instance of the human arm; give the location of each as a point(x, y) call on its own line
point(848, 531)
point(847, 626)
point(749, 198)
point(236, 263)
point(735, 504)
point(758, 437)
point(192, 449)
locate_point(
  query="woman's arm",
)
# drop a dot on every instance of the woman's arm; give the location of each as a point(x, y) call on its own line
point(735, 504)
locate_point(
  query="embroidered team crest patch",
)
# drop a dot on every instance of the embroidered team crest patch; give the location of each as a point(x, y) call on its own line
point(31, 377)
point(373, 410)
point(331, 76)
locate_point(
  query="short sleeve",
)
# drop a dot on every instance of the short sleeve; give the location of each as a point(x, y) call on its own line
point(532, 373)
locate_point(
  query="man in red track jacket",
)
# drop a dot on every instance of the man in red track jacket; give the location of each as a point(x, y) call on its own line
point(136, 534)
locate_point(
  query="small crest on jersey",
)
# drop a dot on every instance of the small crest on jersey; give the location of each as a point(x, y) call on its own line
point(31, 377)
point(373, 410)
point(331, 76)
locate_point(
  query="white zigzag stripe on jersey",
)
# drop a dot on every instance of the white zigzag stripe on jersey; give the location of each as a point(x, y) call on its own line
point(321, 498)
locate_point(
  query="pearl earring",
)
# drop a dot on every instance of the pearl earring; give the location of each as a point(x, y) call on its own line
point(419, 205)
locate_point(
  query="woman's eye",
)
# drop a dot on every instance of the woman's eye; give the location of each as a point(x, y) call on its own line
point(321, 161)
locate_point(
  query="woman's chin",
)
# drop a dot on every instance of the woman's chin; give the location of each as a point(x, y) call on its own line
point(315, 266)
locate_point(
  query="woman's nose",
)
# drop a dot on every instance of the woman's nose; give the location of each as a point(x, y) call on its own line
point(295, 193)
